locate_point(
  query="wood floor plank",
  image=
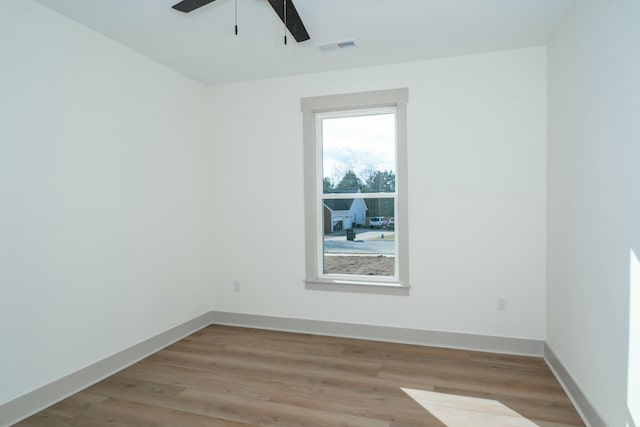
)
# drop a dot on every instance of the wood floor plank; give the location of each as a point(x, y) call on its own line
point(384, 351)
point(239, 377)
point(255, 368)
point(477, 382)
point(48, 419)
point(559, 411)
point(501, 375)
point(304, 361)
point(267, 413)
point(257, 358)
point(542, 423)
point(118, 386)
point(76, 404)
point(274, 340)
point(197, 379)
point(123, 413)
point(196, 346)
point(368, 407)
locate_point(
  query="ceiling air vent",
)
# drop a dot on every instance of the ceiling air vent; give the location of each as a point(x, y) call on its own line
point(346, 44)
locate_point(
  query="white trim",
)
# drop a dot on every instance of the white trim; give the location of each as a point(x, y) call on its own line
point(35, 401)
point(487, 343)
point(358, 287)
point(41, 398)
point(358, 195)
point(580, 400)
point(349, 112)
point(313, 108)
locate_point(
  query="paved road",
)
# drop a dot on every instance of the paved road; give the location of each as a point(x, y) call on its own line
point(335, 246)
point(362, 235)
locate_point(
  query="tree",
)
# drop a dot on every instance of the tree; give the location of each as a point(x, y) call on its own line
point(380, 182)
point(372, 181)
point(380, 207)
point(349, 181)
point(368, 171)
point(340, 170)
point(327, 185)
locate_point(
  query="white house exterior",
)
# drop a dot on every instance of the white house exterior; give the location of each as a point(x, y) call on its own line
point(344, 213)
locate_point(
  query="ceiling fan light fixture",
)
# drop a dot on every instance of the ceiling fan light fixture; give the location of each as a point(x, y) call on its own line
point(344, 44)
point(283, 8)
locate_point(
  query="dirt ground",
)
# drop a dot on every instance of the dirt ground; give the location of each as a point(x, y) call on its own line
point(365, 265)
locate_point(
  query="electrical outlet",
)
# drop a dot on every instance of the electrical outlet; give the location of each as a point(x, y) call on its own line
point(501, 303)
point(236, 286)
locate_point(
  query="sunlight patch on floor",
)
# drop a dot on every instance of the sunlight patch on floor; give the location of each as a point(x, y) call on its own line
point(462, 411)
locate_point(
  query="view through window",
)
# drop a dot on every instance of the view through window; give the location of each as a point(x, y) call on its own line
point(358, 156)
point(355, 153)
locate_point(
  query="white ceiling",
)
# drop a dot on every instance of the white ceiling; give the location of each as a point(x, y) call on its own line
point(202, 44)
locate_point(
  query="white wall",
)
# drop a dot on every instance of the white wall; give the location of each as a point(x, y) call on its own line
point(594, 202)
point(477, 203)
point(103, 189)
point(106, 177)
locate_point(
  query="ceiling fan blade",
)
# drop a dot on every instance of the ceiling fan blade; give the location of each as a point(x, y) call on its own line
point(294, 23)
point(187, 6)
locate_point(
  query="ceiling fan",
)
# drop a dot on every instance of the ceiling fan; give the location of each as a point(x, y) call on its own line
point(284, 8)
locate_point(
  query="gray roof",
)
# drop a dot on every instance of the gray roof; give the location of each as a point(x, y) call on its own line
point(338, 204)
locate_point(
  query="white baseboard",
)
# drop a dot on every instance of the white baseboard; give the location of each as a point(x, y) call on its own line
point(45, 396)
point(488, 343)
point(424, 337)
point(583, 405)
point(41, 398)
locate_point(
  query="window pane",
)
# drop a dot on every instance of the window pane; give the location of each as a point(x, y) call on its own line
point(356, 243)
point(355, 148)
point(358, 153)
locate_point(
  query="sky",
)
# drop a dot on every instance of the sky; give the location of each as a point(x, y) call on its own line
point(359, 141)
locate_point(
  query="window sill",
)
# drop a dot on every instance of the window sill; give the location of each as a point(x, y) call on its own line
point(357, 286)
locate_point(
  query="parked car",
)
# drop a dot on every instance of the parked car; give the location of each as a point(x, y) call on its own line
point(391, 224)
point(377, 222)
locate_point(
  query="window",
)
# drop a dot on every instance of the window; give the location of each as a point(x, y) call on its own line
point(355, 189)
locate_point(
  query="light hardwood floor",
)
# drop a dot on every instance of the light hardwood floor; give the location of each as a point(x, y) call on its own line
point(226, 376)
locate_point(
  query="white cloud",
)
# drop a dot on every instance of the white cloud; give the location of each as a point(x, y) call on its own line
point(360, 141)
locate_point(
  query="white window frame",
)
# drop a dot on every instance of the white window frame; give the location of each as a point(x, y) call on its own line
point(313, 109)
